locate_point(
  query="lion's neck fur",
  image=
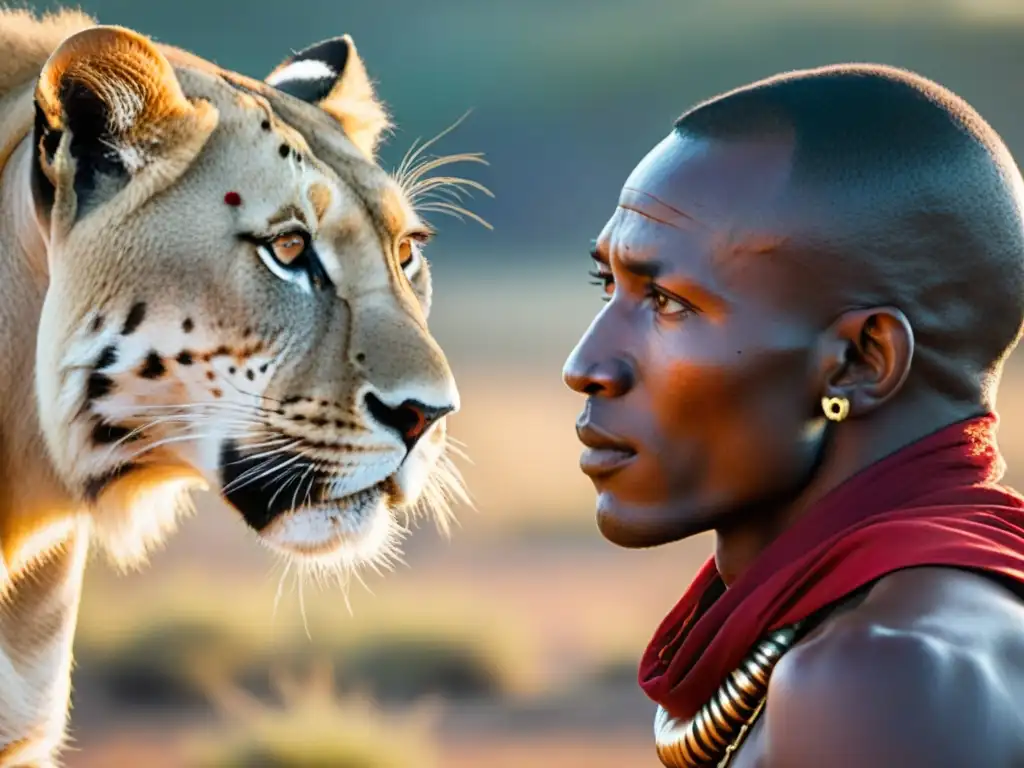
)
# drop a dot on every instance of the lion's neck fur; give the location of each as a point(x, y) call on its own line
point(44, 533)
point(38, 613)
point(43, 540)
point(31, 496)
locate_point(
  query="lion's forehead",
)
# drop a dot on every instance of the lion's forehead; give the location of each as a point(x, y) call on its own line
point(308, 158)
point(271, 161)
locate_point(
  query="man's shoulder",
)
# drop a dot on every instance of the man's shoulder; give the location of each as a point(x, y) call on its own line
point(927, 670)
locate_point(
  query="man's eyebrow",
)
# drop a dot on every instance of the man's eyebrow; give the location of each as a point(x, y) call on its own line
point(641, 268)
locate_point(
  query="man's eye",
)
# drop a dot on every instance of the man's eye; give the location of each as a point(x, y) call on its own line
point(668, 306)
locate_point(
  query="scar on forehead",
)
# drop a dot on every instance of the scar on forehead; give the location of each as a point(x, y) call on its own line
point(737, 243)
point(742, 255)
point(651, 207)
point(320, 196)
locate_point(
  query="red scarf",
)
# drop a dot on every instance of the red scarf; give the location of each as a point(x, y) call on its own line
point(935, 502)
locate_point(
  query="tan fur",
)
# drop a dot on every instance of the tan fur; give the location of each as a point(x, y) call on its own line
point(150, 346)
point(28, 41)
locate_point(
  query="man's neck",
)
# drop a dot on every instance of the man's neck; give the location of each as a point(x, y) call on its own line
point(854, 446)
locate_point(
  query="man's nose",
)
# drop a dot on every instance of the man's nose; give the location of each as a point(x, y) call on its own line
point(596, 372)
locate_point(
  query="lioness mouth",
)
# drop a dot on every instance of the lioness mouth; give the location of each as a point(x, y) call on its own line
point(263, 485)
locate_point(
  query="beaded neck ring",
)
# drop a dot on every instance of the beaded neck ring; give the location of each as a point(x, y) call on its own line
point(714, 734)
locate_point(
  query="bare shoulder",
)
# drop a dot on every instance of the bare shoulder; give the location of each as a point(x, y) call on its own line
point(928, 670)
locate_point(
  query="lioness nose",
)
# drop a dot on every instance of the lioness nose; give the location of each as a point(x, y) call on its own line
point(410, 419)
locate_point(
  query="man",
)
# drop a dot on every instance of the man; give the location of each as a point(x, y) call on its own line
point(813, 283)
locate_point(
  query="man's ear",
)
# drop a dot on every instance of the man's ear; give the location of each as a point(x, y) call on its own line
point(866, 357)
point(331, 75)
point(108, 106)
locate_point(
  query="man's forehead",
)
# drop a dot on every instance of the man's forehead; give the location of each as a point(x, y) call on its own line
point(632, 232)
point(666, 155)
point(706, 209)
point(685, 180)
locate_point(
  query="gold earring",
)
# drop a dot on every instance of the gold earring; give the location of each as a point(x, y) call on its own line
point(835, 408)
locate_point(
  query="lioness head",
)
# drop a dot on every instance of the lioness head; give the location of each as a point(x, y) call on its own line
point(238, 299)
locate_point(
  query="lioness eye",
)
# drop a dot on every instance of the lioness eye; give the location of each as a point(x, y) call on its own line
point(288, 247)
point(409, 252)
point(406, 253)
point(291, 257)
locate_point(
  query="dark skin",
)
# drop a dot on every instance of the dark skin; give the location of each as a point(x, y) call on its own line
point(704, 375)
point(926, 671)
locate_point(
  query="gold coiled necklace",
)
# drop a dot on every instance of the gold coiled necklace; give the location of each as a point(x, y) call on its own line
point(713, 735)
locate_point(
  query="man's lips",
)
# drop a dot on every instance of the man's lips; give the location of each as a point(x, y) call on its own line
point(605, 453)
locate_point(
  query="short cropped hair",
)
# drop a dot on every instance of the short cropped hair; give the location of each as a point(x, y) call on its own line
point(914, 200)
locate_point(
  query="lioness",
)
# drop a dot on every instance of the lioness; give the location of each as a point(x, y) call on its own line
point(206, 281)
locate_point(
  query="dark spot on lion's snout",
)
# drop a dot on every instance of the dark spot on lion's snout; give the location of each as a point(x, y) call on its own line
point(108, 356)
point(135, 317)
point(97, 386)
point(153, 367)
point(251, 483)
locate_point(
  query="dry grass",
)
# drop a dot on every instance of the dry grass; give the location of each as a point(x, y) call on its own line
point(156, 648)
point(312, 727)
point(162, 749)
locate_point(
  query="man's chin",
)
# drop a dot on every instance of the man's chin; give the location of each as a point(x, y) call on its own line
point(638, 526)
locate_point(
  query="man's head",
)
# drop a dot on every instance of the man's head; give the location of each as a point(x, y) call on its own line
point(851, 232)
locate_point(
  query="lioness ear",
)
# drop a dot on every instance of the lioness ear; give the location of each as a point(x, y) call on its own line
point(107, 106)
point(331, 75)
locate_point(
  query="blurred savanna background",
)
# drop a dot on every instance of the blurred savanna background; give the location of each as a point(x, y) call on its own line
point(514, 642)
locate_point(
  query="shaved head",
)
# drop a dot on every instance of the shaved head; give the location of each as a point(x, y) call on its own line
point(899, 193)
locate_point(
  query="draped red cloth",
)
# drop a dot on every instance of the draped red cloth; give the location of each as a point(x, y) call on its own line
point(934, 502)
